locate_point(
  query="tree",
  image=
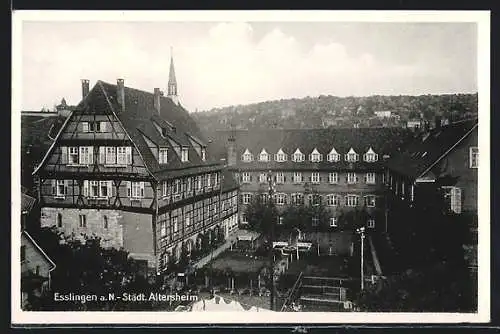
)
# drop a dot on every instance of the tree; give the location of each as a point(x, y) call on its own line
point(353, 219)
point(84, 267)
point(261, 214)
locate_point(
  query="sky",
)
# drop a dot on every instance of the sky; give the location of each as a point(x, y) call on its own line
point(229, 63)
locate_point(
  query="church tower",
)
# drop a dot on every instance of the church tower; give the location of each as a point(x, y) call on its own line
point(172, 82)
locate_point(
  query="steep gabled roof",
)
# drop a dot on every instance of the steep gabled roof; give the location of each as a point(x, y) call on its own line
point(427, 148)
point(27, 202)
point(138, 118)
point(39, 249)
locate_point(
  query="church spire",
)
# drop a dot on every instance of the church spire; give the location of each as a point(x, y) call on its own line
point(172, 82)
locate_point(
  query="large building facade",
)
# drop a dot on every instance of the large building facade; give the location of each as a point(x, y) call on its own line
point(131, 168)
point(342, 169)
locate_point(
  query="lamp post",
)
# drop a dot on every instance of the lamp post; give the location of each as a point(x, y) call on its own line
point(271, 238)
point(361, 232)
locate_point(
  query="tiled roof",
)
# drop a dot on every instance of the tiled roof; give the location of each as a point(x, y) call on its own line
point(138, 118)
point(381, 140)
point(427, 147)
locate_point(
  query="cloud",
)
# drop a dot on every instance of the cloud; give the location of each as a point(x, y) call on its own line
point(216, 64)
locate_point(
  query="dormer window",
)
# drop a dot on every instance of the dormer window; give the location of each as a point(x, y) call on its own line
point(185, 154)
point(333, 156)
point(163, 155)
point(203, 154)
point(351, 156)
point(263, 156)
point(280, 156)
point(298, 156)
point(247, 156)
point(315, 156)
point(370, 156)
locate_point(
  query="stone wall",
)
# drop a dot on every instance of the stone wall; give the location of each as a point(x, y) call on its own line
point(131, 231)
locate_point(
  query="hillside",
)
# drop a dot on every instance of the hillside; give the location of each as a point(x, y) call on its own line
point(330, 111)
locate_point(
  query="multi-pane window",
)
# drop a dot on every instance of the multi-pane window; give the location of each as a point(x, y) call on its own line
point(163, 155)
point(94, 189)
point(176, 187)
point(352, 200)
point(94, 127)
point(370, 223)
point(315, 177)
point(280, 220)
point(280, 199)
point(280, 156)
point(110, 155)
point(262, 178)
point(82, 221)
point(473, 157)
point(333, 177)
point(351, 178)
point(185, 154)
point(315, 156)
point(333, 156)
point(164, 188)
point(263, 156)
point(332, 200)
point(246, 198)
point(351, 156)
point(121, 155)
point(60, 188)
point(370, 201)
point(247, 156)
point(370, 157)
point(280, 177)
point(73, 155)
point(315, 221)
point(135, 189)
point(208, 180)
point(297, 177)
point(298, 156)
point(314, 199)
point(297, 198)
point(333, 221)
point(370, 178)
point(453, 199)
point(86, 155)
point(245, 177)
point(105, 189)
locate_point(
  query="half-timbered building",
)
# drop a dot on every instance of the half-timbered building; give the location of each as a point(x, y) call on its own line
point(131, 167)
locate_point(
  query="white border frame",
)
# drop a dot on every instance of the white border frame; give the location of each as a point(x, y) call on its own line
point(482, 18)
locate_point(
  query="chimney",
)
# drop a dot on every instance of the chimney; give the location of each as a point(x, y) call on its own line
point(85, 88)
point(120, 92)
point(231, 151)
point(157, 98)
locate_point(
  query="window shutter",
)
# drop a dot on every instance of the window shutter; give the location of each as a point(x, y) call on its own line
point(284, 179)
point(366, 177)
point(456, 199)
point(142, 188)
point(110, 188)
point(128, 152)
point(91, 155)
point(64, 154)
point(85, 126)
point(129, 189)
point(66, 185)
point(86, 188)
point(102, 155)
point(103, 126)
point(54, 187)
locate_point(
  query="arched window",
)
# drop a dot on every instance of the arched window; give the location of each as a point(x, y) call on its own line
point(59, 220)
